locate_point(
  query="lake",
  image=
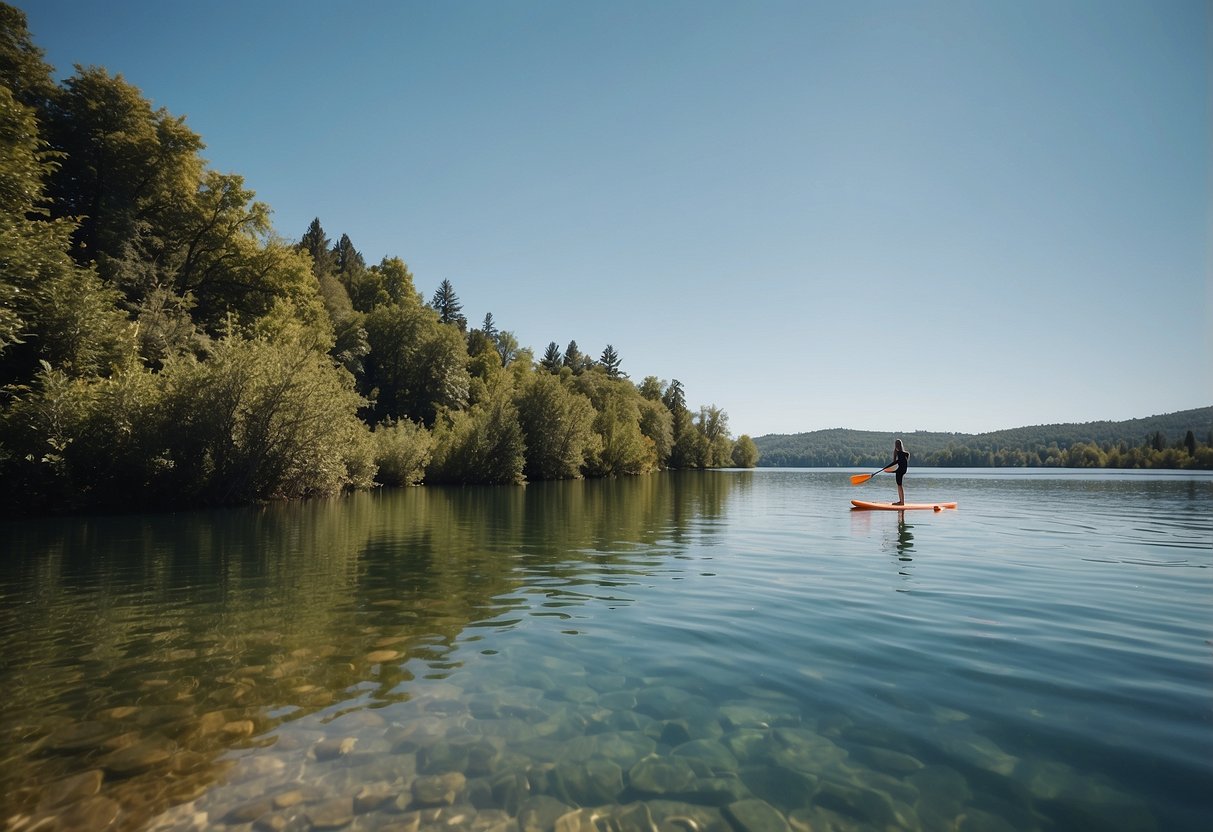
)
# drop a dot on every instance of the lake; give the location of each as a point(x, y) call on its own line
point(684, 652)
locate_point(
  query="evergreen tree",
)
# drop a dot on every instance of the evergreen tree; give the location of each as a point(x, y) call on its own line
point(316, 243)
point(675, 399)
point(551, 360)
point(488, 327)
point(610, 362)
point(574, 359)
point(446, 303)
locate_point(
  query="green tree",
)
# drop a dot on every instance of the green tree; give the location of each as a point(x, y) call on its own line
point(50, 309)
point(446, 303)
point(610, 362)
point(651, 388)
point(481, 445)
point(489, 328)
point(396, 281)
point(402, 452)
point(675, 398)
point(745, 452)
point(575, 360)
point(552, 360)
point(557, 427)
point(128, 172)
point(416, 365)
point(657, 424)
point(23, 71)
point(259, 420)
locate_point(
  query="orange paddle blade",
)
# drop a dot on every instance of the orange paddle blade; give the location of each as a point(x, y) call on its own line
point(859, 479)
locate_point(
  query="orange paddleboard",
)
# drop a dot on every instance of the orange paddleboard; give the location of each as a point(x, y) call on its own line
point(863, 504)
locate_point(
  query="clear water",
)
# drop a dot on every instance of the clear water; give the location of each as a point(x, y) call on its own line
point(693, 652)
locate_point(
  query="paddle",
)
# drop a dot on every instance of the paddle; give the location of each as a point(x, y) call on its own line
point(860, 479)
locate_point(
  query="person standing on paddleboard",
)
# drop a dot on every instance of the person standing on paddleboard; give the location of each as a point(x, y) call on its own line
point(901, 461)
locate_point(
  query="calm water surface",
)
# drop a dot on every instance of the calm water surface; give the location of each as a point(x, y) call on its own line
point(696, 652)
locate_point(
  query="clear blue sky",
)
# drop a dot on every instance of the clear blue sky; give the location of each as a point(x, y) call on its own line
point(882, 215)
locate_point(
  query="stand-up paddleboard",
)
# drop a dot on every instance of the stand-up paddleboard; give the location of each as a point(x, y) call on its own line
point(865, 505)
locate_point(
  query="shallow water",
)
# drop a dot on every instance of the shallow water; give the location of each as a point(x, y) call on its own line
point(692, 652)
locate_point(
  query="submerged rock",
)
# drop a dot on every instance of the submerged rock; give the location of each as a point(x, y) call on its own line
point(756, 816)
point(662, 776)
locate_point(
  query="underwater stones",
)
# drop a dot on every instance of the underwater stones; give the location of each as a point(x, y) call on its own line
point(738, 715)
point(804, 750)
point(370, 797)
point(1047, 779)
point(756, 816)
point(79, 736)
point(618, 700)
point(592, 783)
point(510, 790)
point(71, 789)
point(978, 751)
point(663, 701)
point(865, 804)
point(96, 812)
point(886, 760)
point(138, 757)
point(249, 811)
point(624, 748)
point(975, 820)
point(634, 817)
point(662, 776)
point(540, 813)
point(333, 748)
point(713, 754)
point(381, 656)
point(579, 820)
point(676, 816)
point(438, 789)
point(332, 814)
point(674, 732)
point(746, 743)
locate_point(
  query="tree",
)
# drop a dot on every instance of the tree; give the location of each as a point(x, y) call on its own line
point(650, 388)
point(316, 243)
point(657, 423)
point(674, 397)
point(488, 327)
point(446, 303)
point(575, 360)
point(50, 309)
point(745, 452)
point(22, 68)
point(402, 451)
point(610, 362)
point(557, 427)
point(396, 281)
point(507, 347)
point(480, 445)
point(551, 360)
point(128, 171)
point(416, 365)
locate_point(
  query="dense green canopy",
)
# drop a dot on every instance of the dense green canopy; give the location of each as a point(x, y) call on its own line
point(161, 345)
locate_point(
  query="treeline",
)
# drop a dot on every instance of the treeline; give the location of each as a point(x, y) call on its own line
point(160, 345)
point(1175, 440)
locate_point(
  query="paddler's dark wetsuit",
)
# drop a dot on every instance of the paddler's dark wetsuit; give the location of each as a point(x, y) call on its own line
point(902, 460)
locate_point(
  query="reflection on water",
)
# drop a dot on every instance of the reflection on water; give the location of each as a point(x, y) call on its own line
point(701, 651)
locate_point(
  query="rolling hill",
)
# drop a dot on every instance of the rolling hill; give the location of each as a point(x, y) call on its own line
point(840, 447)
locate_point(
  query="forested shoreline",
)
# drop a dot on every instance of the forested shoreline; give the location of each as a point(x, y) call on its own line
point(1182, 440)
point(161, 345)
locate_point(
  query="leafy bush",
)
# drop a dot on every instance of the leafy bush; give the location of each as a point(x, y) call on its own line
point(402, 451)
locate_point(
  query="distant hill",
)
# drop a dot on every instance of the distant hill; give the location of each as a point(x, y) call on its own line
point(1119, 442)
